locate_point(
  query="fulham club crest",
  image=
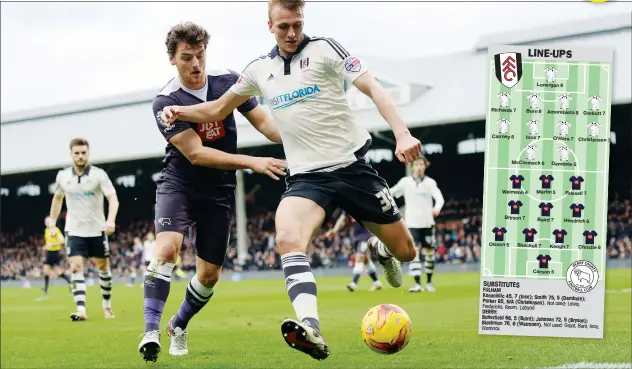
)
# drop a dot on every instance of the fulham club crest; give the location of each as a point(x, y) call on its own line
point(304, 63)
point(508, 68)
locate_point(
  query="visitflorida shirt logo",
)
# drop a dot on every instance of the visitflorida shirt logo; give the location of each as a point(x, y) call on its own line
point(299, 95)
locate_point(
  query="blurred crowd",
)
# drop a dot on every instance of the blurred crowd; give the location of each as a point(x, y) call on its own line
point(458, 232)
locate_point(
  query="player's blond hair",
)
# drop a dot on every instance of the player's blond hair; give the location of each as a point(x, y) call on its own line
point(292, 5)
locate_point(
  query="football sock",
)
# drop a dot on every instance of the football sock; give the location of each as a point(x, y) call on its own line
point(156, 290)
point(372, 271)
point(105, 282)
point(415, 268)
point(79, 290)
point(429, 264)
point(196, 296)
point(65, 277)
point(358, 268)
point(46, 279)
point(301, 287)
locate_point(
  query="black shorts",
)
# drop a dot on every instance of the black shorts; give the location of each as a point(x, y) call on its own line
point(53, 258)
point(205, 217)
point(88, 247)
point(424, 236)
point(357, 189)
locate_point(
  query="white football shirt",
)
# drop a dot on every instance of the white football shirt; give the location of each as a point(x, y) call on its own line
point(594, 102)
point(418, 195)
point(534, 125)
point(84, 199)
point(531, 152)
point(550, 74)
point(564, 101)
point(534, 100)
point(563, 153)
point(504, 99)
point(307, 98)
point(503, 125)
point(593, 128)
point(563, 127)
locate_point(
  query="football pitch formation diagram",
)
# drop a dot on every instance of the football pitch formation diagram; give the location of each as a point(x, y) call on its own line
point(546, 176)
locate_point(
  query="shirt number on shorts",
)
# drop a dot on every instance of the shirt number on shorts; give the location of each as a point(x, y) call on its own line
point(386, 200)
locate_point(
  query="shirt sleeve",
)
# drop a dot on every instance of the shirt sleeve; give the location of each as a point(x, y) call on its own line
point(438, 197)
point(342, 63)
point(58, 189)
point(398, 189)
point(251, 103)
point(106, 185)
point(160, 102)
point(246, 84)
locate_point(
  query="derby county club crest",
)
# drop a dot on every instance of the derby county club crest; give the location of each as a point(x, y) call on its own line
point(508, 68)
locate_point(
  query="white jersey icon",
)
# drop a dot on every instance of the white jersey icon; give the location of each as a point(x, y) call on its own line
point(531, 149)
point(550, 74)
point(534, 100)
point(503, 125)
point(593, 128)
point(534, 126)
point(594, 102)
point(563, 127)
point(564, 101)
point(563, 150)
point(504, 99)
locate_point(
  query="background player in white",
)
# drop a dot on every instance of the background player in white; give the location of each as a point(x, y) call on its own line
point(565, 99)
point(84, 187)
point(534, 126)
point(563, 150)
point(593, 128)
point(531, 149)
point(534, 100)
point(563, 127)
point(149, 249)
point(419, 191)
point(550, 74)
point(504, 99)
point(594, 102)
point(503, 125)
point(307, 99)
point(362, 257)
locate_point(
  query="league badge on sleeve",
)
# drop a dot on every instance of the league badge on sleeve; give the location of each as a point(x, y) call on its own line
point(353, 64)
point(508, 68)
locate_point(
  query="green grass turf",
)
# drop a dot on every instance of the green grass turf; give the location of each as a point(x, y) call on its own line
point(240, 328)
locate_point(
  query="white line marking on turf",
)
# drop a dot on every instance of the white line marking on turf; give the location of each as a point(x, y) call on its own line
point(552, 170)
point(591, 365)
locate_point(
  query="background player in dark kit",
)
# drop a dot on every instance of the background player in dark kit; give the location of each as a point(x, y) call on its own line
point(196, 187)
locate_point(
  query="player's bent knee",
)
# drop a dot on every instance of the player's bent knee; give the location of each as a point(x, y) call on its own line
point(288, 241)
point(208, 273)
point(406, 251)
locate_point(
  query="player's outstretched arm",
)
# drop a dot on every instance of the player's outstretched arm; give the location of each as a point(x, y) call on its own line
point(209, 111)
point(408, 147)
point(264, 123)
point(340, 223)
point(190, 145)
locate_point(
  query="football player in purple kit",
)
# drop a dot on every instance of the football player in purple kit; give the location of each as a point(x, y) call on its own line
point(196, 189)
point(360, 237)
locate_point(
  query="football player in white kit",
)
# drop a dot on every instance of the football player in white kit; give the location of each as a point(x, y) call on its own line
point(534, 100)
point(504, 99)
point(149, 249)
point(84, 186)
point(534, 126)
point(563, 150)
point(594, 102)
point(503, 125)
point(419, 191)
point(563, 127)
point(564, 101)
point(301, 79)
point(531, 149)
point(550, 74)
point(593, 128)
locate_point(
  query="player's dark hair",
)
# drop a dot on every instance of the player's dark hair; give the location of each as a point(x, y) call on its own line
point(292, 5)
point(188, 32)
point(78, 142)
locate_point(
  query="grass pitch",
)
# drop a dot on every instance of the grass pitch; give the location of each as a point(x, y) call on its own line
point(240, 328)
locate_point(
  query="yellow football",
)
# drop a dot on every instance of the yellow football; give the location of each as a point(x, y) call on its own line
point(386, 329)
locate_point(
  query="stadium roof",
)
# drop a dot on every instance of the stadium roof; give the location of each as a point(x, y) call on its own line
point(456, 80)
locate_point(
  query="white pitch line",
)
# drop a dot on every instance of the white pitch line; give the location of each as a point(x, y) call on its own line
point(551, 170)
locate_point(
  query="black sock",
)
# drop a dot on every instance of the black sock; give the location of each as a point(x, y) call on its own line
point(429, 275)
point(356, 277)
point(417, 279)
point(46, 279)
point(373, 276)
point(65, 276)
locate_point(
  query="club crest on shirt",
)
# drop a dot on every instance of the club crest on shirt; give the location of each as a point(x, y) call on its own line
point(353, 64)
point(162, 123)
point(304, 63)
